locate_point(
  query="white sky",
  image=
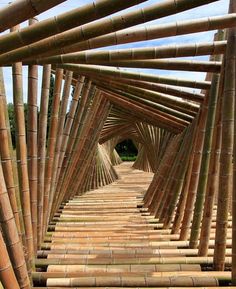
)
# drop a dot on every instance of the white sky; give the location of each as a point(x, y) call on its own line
point(217, 8)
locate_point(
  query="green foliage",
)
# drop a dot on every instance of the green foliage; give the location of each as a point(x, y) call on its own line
point(128, 158)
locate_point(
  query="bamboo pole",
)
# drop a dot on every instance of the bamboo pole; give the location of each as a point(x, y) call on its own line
point(166, 89)
point(91, 30)
point(6, 159)
point(213, 178)
point(61, 123)
point(32, 127)
point(206, 153)
point(130, 54)
point(151, 116)
point(78, 149)
point(167, 100)
point(176, 183)
point(10, 15)
point(133, 35)
point(103, 71)
point(21, 154)
point(13, 243)
point(226, 156)
point(69, 121)
point(76, 128)
point(42, 132)
point(61, 23)
point(51, 144)
point(192, 190)
point(7, 275)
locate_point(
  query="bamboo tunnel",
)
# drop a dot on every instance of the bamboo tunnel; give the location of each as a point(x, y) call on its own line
point(86, 85)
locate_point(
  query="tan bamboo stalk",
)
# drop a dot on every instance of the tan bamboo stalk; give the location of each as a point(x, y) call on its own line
point(157, 52)
point(32, 127)
point(192, 190)
point(165, 190)
point(103, 71)
point(206, 153)
point(178, 180)
point(83, 106)
point(101, 176)
point(152, 146)
point(51, 144)
point(143, 110)
point(70, 120)
point(43, 115)
point(226, 156)
point(135, 34)
point(183, 119)
point(179, 214)
point(85, 145)
point(12, 240)
point(6, 156)
point(77, 149)
point(21, 154)
point(169, 101)
point(92, 142)
point(166, 64)
point(166, 89)
point(63, 22)
point(89, 141)
point(10, 15)
point(61, 124)
point(7, 275)
point(91, 30)
point(154, 193)
point(213, 178)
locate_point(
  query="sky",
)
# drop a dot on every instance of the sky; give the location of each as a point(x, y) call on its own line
point(214, 9)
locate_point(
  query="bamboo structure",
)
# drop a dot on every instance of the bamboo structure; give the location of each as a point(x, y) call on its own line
point(72, 213)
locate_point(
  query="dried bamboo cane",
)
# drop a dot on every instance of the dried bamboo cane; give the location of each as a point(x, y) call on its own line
point(22, 157)
point(55, 44)
point(131, 35)
point(12, 240)
point(188, 213)
point(51, 144)
point(61, 23)
point(226, 156)
point(178, 181)
point(6, 157)
point(32, 127)
point(206, 153)
point(61, 123)
point(10, 15)
point(154, 194)
point(83, 106)
point(103, 71)
point(213, 179)
point(69, 121)
point(90, 142)
point(172, 102)
point(166, 89)
point(42, 132)
point(7, 275)
point(151, 116)
point(77, 149)
point(107, 56)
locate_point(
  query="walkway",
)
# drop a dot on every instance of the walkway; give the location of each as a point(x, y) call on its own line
point(106, 239)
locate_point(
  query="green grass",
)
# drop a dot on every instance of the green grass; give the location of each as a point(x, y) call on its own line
point(128, 158)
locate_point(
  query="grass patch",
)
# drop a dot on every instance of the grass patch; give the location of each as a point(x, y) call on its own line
point(128, 158)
